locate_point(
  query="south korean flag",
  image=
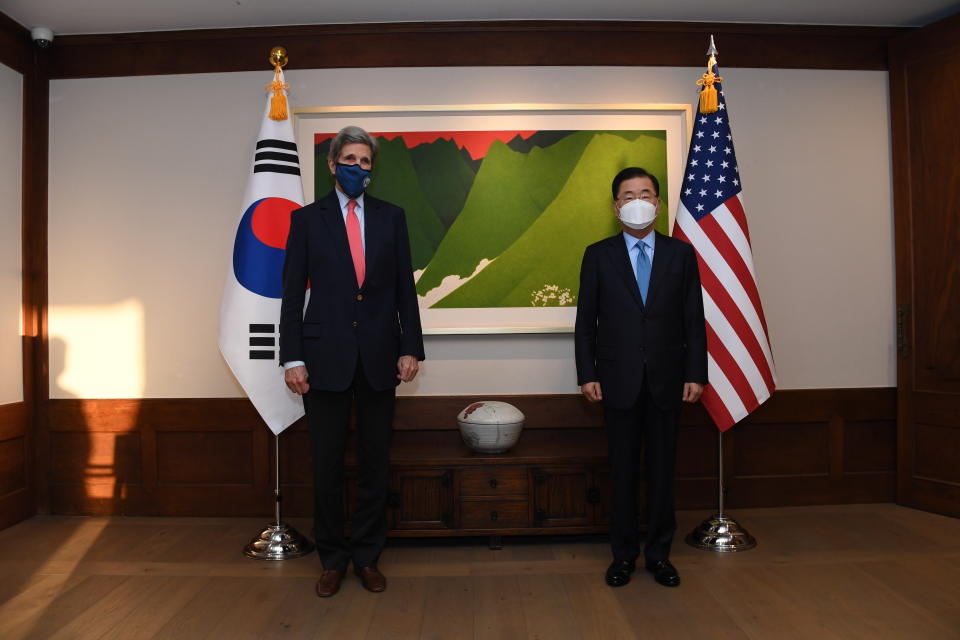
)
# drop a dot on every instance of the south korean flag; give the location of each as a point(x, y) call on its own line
point(250, 311)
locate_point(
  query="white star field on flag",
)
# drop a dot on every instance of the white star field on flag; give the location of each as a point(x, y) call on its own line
point(713, 170)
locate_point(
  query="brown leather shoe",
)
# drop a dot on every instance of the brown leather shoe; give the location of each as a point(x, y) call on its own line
point(329, 582)
point(371, 578)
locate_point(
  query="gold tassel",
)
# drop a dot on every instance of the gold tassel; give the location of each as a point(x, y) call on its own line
point(708, 95)
point(278, 103)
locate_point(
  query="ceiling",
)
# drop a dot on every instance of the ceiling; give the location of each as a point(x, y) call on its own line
point(118, 16)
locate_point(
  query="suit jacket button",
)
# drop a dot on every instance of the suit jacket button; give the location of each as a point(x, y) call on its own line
point(359, 296)
point(355, 323)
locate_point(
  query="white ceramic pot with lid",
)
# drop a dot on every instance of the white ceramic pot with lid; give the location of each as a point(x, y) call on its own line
point(490, 426)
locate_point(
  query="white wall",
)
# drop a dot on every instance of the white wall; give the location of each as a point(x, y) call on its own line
point(11, 128)
point(147, 174)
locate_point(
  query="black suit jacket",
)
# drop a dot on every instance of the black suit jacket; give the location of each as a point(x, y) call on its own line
point(617, 334)
point(378, 322)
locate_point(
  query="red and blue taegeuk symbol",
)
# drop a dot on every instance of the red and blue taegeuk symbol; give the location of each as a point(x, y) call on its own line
point(259, 249)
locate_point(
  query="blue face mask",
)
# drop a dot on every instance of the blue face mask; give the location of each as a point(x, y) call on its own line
point(353, 179)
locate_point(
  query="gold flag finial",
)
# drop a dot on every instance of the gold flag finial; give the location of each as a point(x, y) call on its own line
point(278, 103)
point(278, 56)
point(708, 94)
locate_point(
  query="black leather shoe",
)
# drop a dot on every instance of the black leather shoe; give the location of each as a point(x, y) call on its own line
point(618, 573)
point(664, 573)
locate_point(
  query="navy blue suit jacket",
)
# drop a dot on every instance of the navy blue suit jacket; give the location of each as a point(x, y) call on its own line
point(377, 322)
point(619, 339)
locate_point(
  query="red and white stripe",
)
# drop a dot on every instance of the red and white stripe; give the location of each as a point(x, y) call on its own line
point(740, 363)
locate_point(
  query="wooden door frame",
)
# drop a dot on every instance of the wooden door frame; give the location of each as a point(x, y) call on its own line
point(927, 42)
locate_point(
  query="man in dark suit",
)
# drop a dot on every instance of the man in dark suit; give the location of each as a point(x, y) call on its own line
point(641, 349)
point(358, 339)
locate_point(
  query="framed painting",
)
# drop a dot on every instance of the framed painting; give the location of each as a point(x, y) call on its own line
point(501, 200)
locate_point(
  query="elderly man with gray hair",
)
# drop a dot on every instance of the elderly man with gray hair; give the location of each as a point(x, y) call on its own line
point(357, 339)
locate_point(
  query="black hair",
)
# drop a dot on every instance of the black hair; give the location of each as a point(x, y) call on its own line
point(634, 172)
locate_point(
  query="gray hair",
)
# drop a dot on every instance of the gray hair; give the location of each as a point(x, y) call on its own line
point(351, 134)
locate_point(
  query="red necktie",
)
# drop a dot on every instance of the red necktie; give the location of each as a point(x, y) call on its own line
point(356, 241)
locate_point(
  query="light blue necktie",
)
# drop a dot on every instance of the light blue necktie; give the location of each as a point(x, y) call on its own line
point(643, 271)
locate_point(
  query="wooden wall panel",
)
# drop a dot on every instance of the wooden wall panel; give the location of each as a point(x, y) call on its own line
point(699, 446)
point(35, 172)
point(159, 457)
point(15, 45)
point(95, 457)
point(12, 421)
point(17, 52)
point(295, 467)
point(447, 44)
point(13, 465)
point(15, 498)
point(786, 449)
point(866, 447)
point(214, 456)
point(228, 458)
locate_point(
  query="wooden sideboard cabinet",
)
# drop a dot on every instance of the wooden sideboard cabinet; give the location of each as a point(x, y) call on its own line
point(552, 481)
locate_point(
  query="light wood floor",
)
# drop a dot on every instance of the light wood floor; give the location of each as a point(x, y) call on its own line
point(861, 571)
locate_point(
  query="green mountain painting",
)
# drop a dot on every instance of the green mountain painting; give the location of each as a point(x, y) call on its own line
point(501, 218)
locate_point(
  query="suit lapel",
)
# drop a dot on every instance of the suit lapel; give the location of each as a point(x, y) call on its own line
point(617, 252)
point(333, 217)
point(662, 255)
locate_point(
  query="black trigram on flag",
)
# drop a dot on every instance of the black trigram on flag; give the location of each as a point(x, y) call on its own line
point(276, 156)
point(263, 335)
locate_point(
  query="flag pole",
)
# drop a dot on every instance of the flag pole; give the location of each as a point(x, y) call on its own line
point(719, 474)
point(276, 469)
point(718, 532)
point(278, 541)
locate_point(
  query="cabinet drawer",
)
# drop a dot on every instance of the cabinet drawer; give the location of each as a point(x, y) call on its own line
point(493, 514)
point(493, 482)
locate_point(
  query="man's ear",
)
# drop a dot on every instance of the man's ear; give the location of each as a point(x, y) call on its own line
point(332, 166)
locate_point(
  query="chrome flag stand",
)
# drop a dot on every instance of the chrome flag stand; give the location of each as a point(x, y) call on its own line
point(718, 532)
point(279, 541)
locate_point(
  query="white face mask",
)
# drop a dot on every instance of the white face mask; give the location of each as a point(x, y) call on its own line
point(638, 214)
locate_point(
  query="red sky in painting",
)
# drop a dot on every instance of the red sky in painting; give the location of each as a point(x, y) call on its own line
point(475, 142)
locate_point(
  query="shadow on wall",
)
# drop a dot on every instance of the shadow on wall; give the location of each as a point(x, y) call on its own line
point(91, 472)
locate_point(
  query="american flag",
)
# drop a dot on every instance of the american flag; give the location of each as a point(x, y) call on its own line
point(712, 219)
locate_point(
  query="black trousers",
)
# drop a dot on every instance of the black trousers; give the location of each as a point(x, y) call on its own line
point(647, 428)
point(328, 416)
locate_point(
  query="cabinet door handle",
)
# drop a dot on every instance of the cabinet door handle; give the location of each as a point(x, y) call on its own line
point(446, 480)
point(494, 515)
point(493, 483)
